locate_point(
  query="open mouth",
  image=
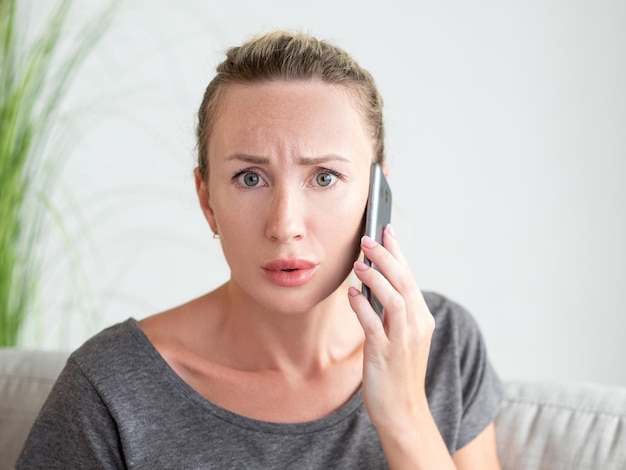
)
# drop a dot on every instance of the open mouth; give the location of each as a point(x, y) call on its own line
point(289, 272)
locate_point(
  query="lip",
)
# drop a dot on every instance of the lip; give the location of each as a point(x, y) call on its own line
point(289, 272)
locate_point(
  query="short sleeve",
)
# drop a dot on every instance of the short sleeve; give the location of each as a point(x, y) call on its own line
point(464, 391)
point(74, 428)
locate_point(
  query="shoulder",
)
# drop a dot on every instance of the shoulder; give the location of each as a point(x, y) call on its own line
point(452, 320)
point(102, 377)
point(445, 309)
point(464, 390)
point(75, 427)
point(457, 339)
point(110, 347)
point(115, 359)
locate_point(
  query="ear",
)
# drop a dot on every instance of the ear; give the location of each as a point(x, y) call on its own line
point(204, 198)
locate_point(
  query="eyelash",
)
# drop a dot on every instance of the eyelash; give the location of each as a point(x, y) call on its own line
point(336, 174)
point(239, 173)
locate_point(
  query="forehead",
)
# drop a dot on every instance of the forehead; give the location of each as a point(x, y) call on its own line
point(297, 111)
point(281, 97)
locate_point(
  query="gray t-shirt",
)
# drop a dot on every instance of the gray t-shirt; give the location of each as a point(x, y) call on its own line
point(117, 404)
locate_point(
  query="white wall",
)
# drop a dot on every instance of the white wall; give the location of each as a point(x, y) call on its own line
point(506, 130)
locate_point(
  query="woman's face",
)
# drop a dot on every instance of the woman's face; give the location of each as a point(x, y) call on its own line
point(289, 166)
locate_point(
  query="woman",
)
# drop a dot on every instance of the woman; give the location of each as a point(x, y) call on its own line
point(286, 365)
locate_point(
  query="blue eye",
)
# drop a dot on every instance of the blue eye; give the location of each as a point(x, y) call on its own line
point(325, 179)
point(249, 179)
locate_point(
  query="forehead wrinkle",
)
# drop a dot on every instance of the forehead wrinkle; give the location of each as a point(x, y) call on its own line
point(302, 160)
point(312, 161)
point(254, 159)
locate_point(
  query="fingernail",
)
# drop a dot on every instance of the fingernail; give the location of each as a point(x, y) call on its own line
point(353, 291)
point(368, 242)
point(360, 266)
point(391, 231)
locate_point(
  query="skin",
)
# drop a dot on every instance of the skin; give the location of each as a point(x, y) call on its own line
point(288, 179)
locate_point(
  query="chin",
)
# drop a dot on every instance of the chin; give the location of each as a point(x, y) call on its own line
point(297, 302)
point(293, 301)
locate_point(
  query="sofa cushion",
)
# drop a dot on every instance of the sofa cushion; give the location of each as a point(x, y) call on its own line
point(26, 378)
point(562, 426)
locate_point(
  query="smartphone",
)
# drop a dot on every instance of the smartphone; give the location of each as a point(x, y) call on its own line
point(377, 217)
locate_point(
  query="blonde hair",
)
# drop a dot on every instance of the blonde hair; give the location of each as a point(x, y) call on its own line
point(289, 56)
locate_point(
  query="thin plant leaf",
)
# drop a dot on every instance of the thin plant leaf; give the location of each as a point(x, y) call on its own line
point(34, 80)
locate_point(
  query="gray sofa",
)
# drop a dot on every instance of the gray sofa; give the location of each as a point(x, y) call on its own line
point(541, 426)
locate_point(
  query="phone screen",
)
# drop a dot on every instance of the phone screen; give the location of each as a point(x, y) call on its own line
point(377, 217)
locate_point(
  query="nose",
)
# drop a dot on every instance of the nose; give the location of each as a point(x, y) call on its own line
point(286, 215)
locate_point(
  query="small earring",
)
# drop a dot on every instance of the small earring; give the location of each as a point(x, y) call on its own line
point(216, 235)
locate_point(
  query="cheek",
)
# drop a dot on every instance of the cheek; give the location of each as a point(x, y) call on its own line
point(240, 247)
point(233, 213)
point(235, 225)
point(344, 221)
point(342, 240)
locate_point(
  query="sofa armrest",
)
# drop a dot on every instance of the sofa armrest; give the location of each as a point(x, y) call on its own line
point(562, 426)
point(26, 378)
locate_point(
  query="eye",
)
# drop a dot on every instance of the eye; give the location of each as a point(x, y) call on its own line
point(325, 178)
point(248, 179)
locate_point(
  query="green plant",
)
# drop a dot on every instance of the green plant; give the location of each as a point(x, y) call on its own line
point(34, 76)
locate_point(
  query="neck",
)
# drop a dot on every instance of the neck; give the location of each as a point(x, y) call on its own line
point(301, 344)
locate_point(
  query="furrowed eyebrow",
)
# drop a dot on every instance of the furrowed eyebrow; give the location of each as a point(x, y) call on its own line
point(312, 161)
point(304, 161)
point(249, 159)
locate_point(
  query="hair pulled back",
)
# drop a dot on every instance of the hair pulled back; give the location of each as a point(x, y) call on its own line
point(280, 55)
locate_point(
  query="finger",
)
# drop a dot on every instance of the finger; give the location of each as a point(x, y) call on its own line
point(390, 242)
point(390, 261)
point(377, 253)
point(393, 246)
point(395, 270)
point(395, 317)
point(369, 320)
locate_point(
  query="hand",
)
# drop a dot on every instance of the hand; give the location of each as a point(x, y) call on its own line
point(396, 350)
point(394, 366)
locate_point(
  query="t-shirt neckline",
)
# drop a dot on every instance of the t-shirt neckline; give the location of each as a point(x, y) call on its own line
point(353, 405)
